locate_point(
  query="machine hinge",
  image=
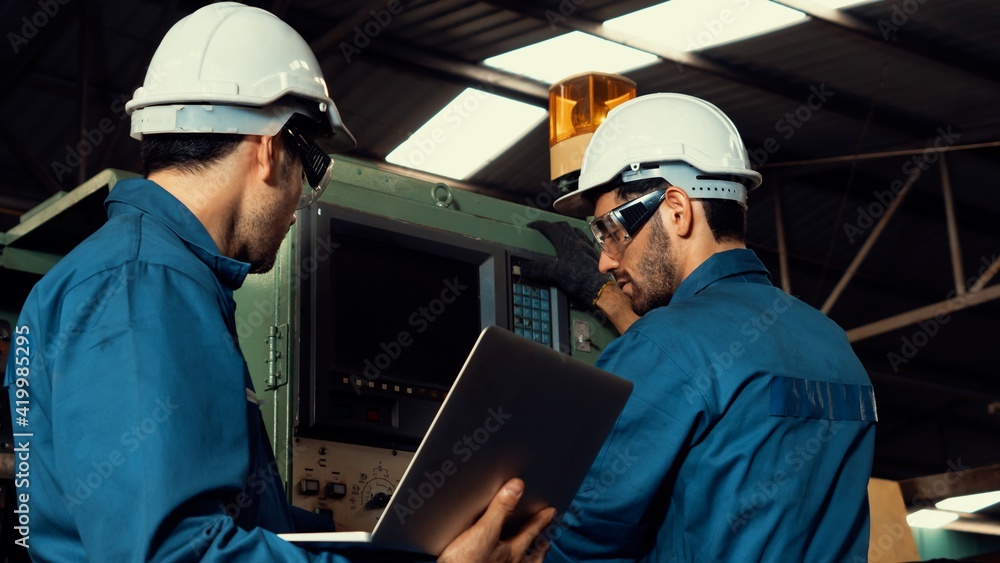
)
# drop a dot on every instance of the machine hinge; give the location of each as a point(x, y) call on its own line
point(277, 356)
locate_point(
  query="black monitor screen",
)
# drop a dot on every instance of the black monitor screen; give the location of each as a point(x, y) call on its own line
point(401, 314)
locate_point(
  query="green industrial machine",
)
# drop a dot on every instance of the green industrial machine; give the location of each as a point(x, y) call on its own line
point(319, 474)
point(46, 233)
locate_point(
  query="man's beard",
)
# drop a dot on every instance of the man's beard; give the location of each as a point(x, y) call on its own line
point(657, 270)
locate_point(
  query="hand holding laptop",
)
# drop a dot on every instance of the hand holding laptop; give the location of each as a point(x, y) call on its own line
point(517, 412)
point(482, 541)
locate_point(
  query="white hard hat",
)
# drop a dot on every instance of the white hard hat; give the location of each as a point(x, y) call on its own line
point(684, 140)
point(231, 68)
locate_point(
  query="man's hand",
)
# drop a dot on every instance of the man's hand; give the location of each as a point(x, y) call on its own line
point(481, 543)
point(574, 269)
point(576, 272)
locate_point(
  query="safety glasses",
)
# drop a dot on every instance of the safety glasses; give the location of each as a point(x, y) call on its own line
point(316, 165)
point(614, 230)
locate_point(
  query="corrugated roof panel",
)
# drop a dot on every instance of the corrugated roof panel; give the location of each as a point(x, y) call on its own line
point(966, 25)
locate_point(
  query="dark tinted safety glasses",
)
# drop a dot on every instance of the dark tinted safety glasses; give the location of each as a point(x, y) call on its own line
point(316, 165)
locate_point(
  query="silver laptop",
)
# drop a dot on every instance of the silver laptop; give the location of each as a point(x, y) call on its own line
point(517, 409)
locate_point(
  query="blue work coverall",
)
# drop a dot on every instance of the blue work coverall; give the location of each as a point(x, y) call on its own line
point(749, 435)
point(142, 435)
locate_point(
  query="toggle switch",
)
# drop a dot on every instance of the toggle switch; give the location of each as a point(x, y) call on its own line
point(309, 486)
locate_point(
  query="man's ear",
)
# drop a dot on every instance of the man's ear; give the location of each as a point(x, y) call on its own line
point(266, 158)
point(676, 212)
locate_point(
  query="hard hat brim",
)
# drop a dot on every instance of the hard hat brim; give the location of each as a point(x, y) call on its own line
point(579, 203)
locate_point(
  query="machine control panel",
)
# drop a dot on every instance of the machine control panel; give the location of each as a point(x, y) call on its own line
point(537, 310)
point(352, 482)
point(533, 312)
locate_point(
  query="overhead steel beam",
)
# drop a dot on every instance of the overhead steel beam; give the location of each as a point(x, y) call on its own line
point(463, 72)
point(975, 219)
point(501, 82)
point(326, 44)
point(987, 276)
point(967, 62)
point(872, 155)
point(958, 481)
point(810, 264)
point(767, 80)
point(870, 241)
point(953, 244)
point(941, 308)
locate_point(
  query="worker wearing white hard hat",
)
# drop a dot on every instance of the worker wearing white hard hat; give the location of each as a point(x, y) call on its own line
point(147, 438)
point(749, 435)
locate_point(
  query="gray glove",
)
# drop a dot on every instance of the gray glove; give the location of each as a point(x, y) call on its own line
point(574, 269)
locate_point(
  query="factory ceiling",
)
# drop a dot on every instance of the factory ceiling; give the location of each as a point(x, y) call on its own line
point(876, 127)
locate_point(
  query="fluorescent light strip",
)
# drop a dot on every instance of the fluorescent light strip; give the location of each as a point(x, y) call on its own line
point(572, 53)
point(467, 134)
point(930, 518)
point(692, 25)
point(969, 503)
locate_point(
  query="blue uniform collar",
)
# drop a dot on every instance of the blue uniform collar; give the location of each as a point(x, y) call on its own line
point(738, 265)
point(153, 200)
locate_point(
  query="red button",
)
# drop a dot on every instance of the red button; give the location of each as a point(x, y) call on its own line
point(373, 415)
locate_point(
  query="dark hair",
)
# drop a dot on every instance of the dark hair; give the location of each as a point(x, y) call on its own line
point(726, 218)
point(186, 152)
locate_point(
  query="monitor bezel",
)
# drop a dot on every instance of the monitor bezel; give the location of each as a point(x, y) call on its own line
point(410, 415)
